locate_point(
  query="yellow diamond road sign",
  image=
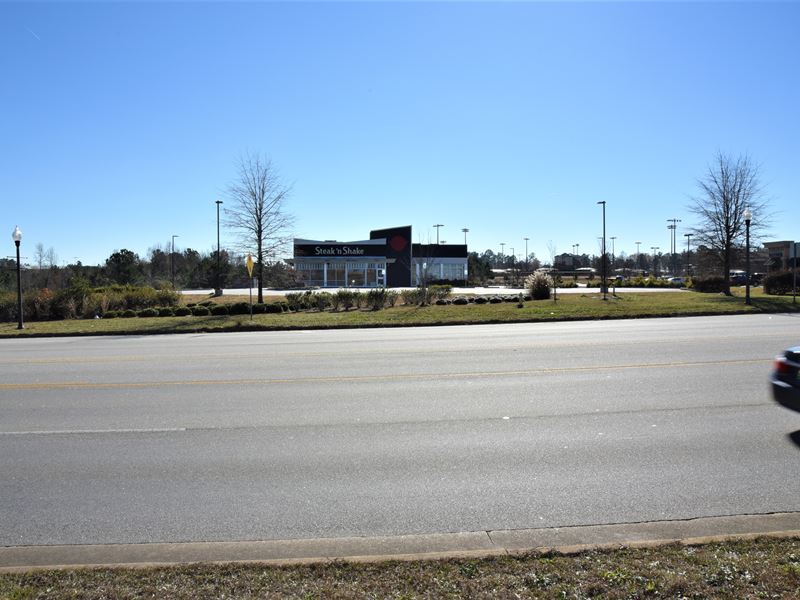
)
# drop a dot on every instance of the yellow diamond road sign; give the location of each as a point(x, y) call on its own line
point(249, 265)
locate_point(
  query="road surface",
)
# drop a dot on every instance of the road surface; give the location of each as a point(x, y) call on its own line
point(292, 435)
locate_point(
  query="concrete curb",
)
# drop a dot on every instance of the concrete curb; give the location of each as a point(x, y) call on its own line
point(474, 544)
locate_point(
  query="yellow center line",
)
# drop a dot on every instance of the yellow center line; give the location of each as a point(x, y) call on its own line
point(367, 378)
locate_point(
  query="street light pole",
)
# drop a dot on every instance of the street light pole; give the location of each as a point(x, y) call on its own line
point(748, 216)
point(502, 249)
point(527, 268)
point(603, 258)
point(655, 249)
point(218, 290)
point(673, 247)
point(437, 232)
point(172, 260)
point(17, 237)
point(613, 253)
point(638, 255)
point(688, 237)
point(466, 231)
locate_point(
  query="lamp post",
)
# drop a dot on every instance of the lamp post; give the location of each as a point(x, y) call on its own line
point(603, 258)
point(638, 255)
point(17, 237)
point(527, 268)
point(613, 253)
point(172, 260)
point(437, 232)
point(673, 246)
point(502, 249)
point(465, 231)
point(513, 278)
point(748, 216)
point(688, 237)
point(218, 290)
point(655, 249)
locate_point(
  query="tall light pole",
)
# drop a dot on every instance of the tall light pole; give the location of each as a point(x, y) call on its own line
point(638, 255)
point(527, 268)
point(502, 248)
point(603, 258)
point(673, 248)
point(438, 225)
point(748, 216)
point(218, 290)
point(466, 231)
point(17, 237)
point(655, 249)
point(172, 260)
point(513, 278)
point(688, 237)
point(613, 259)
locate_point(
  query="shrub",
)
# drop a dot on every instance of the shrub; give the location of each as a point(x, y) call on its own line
point(239, 308)
point(128, 314)
point(167, 297)
point(147, 312)
point(442, 302)
point(495, 300)
point(297, 300)
point(391, 297)
point(481, 300)
point(271, 308)
point(414, 296)
point(538, 285)
point(321, 300)
point(376, 298)
point(207, 303)
point(111, 314)
point(461, 301)
point(709, 285)
point(183, 311)
point(166, 311)
point(346, 298)
point(778, 284)
point(359, 299)
point(220, 310)
point(439, 292)
point(200, 311)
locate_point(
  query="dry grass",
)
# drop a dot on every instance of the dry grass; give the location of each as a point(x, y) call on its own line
point(764, 568)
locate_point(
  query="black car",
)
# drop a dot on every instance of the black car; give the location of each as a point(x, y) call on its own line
point(786, 379)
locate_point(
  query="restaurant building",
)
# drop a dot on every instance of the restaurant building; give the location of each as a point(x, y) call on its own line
point(386, 259)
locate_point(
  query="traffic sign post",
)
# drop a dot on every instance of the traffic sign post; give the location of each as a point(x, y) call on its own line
point(249, 264)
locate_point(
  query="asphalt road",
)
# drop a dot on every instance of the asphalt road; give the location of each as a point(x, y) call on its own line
point(285, 435)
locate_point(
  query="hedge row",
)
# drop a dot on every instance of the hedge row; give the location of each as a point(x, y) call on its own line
point(82, 301)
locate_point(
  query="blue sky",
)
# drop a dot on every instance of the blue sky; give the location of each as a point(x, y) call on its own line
point(121, 123)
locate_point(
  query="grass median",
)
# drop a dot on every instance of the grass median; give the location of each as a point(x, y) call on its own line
point(760, 568)
point(589, 305)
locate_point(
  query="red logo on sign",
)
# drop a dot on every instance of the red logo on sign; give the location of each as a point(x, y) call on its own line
point(398, 243)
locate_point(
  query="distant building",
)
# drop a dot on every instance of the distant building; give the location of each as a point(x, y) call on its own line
point(780, 255)
point(386, 259)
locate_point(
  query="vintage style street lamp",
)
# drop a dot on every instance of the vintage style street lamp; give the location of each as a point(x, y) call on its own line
point(17, 237)
point(748, 216)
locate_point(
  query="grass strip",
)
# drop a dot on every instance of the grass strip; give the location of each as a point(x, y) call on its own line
point(760, 568)
point(568, 307)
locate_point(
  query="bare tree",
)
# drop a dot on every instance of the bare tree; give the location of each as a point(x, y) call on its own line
point(729, 187)
point(256, 212)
